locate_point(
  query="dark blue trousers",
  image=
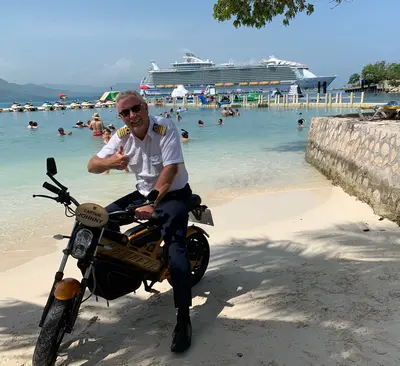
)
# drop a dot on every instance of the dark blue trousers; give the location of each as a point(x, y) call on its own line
point(174, 214)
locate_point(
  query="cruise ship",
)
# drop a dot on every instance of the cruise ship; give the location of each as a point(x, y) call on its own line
point(269, 73)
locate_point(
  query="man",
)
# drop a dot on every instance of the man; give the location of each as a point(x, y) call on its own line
point(152, 150)
point(96, 125)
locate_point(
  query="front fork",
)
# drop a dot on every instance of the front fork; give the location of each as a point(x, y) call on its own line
point(68, 289)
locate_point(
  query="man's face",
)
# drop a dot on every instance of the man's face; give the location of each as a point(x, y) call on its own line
point(133, 112)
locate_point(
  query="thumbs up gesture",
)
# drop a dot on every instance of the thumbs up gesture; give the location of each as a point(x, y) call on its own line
point(119, 161)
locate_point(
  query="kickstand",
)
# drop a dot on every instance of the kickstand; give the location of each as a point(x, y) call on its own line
point(149, 288)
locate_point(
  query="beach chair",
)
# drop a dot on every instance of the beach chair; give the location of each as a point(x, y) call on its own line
point(390, 110)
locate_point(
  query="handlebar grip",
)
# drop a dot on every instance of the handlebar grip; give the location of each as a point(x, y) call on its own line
point(51, 188)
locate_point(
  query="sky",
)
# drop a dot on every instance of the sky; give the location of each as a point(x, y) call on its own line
point(102, 42)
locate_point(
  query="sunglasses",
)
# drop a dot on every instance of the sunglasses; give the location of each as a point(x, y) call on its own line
point(134, 109)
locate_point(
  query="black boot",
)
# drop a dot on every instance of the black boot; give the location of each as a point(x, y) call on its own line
point(182, 334)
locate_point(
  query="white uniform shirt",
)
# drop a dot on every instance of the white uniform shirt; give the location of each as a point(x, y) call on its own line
point(150, 155)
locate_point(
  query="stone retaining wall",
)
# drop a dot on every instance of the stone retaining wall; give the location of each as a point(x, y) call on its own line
point(362, 157)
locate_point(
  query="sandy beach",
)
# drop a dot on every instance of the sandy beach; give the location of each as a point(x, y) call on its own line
point(302, 277)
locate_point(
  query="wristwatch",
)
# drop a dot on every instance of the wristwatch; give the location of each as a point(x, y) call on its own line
point(152, 204)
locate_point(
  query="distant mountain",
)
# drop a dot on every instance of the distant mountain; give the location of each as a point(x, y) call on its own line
point(92, 89)
point(32, 92)
point(10, 92)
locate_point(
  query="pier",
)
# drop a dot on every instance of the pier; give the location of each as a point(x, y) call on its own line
point(336, 100)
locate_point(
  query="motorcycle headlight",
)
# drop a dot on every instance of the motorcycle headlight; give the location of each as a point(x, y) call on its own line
point(81, 243)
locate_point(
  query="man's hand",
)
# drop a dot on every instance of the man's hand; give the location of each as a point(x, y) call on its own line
point(145, 212)
point(119, 161)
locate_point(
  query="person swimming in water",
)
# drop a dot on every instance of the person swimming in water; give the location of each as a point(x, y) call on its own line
point(200, 123)
point(220, 122)
point(185, 135)
point(61, 132)
point(300, 123)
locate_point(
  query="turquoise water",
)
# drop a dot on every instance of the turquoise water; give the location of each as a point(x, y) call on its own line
point(260, 150)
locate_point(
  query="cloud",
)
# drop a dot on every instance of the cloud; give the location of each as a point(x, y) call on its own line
point(121, 68)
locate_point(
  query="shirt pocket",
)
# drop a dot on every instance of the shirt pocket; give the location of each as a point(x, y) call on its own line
point(135, 163)
point(156, 164)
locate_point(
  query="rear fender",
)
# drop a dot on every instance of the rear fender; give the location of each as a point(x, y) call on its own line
point(67, 288)
point(193, 229)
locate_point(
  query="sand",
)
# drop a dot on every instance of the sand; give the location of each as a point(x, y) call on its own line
point(303, 277)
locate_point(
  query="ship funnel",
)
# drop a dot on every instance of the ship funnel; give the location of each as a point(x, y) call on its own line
point(155, 67)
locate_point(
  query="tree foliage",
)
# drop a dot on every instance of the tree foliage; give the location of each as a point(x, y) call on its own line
point(257, 13)
point(375, 73)
point(381, 71)
point(393, 74)
point(354, 79)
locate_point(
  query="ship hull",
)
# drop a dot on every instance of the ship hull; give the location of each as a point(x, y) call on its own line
point(256, 77)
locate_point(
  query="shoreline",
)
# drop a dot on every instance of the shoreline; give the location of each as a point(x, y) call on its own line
point(311, 270)
point(35, 247)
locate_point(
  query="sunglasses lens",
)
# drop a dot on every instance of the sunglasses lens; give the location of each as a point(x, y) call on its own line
point(126, 112)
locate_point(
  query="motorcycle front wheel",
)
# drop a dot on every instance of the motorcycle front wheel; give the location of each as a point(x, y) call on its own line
point(51, 334)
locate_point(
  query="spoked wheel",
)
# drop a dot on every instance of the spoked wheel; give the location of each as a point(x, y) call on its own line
point(51, 334)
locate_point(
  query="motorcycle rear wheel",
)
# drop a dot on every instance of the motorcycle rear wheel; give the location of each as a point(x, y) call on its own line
point(51, 334)
point(198, 250)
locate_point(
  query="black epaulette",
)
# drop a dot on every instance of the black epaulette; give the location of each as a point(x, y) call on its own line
point(123, 131)
point(162, 130)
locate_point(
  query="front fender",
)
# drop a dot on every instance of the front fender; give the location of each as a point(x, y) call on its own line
point(193, 229)
point(67, 288)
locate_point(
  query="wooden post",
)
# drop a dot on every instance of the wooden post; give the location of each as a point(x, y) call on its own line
point(340, 98)
point(318, 98)
point(362, 97)
point(337, 98)
point(307, 100)
point(351, 98)
point(269, 99)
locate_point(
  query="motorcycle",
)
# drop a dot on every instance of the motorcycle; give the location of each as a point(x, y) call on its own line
point(112, 263)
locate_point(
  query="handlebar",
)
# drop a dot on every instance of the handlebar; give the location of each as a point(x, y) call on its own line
point(62, 195)
point(51, 188)
point(129, 212)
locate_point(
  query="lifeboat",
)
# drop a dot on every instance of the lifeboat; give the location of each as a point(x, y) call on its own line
point(275, 82)
point(161, 86)
point(254, 83)
point(229, 84)
point(169, 86)
point(265, 83)
point(243, 84)
point(219, 84)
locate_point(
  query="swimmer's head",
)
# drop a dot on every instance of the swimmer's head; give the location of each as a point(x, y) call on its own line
point(201, 123)
point(185, 134)
point(30, 123)
point(34, 124)
point(61, 130)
